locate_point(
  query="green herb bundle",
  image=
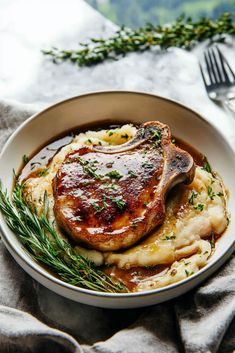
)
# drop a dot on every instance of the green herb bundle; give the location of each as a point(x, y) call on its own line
point(43, 242)
point(183, 33)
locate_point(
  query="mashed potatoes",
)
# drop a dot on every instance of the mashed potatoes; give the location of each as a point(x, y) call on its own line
point(188, 219)
point(193, 213)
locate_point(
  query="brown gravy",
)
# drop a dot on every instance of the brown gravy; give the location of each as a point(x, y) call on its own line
point(43, 155)
point(134, 275)
point(42, 158)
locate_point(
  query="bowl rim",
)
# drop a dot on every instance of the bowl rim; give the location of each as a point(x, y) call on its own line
point(26, 257)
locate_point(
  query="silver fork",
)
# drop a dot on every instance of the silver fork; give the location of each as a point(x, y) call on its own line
point(218, 77)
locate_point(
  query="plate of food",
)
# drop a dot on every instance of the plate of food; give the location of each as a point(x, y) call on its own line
point(118, 199)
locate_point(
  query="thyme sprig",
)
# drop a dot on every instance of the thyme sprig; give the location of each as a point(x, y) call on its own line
point(45, 245)
point(184, 33)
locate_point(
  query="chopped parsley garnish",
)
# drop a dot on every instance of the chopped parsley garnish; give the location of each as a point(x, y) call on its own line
point(114, 174)
point(110, 186)
point(86, 182)
point(188, 273)
point(25, 159)
point(132, 173)
point(207, 167)
point(220, 194)
point(78, 218)
point(91, 163)
point(82, 161)
point(110, 133)
point(192, 197)
point(125, 136)
point(97, 207)
point(147, 165)
point(100, 143)
point(199, 207)
point(169, 236)
point(118, 201)
point(211, 193)
point(90, 170)
point(104, 201)
point(142, 131)
point(76, 193)
point(156, 134)
point(42, 173)
point(212, 180)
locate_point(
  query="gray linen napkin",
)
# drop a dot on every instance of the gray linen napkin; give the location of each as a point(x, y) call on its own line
point(34, 319)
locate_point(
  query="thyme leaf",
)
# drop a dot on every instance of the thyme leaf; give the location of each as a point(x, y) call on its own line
point(183, 33)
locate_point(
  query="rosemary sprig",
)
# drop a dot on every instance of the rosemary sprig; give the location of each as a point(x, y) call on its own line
point(183, 33)
point(43, 242)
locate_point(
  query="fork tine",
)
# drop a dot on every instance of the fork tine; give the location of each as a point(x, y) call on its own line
point(225, 74)
point(203, 76)
point(208, 68)
point(217, 64)
point(212, 66)
point(225, 60)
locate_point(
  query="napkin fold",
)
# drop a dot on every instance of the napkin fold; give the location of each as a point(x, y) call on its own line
point(34, 319)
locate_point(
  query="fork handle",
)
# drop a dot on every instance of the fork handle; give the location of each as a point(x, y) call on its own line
point(230, 104)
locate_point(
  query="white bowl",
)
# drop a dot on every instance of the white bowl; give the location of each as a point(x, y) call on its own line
point(118, 106)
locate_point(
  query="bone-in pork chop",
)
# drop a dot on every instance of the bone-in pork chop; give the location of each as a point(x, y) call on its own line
point(110, 197)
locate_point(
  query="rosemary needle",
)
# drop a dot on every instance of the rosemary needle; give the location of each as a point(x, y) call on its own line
point(43, 242)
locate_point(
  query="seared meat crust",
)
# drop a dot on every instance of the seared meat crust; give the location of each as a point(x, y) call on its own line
point(110, 197)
